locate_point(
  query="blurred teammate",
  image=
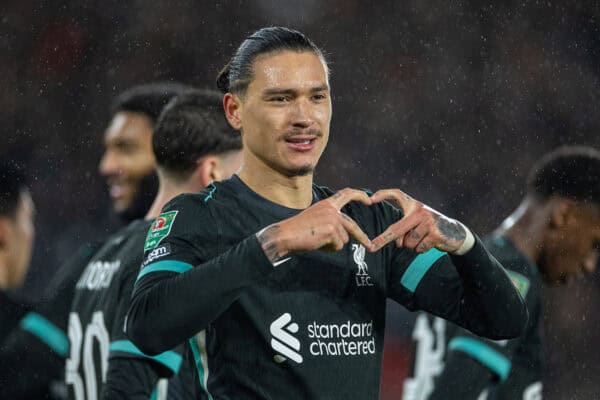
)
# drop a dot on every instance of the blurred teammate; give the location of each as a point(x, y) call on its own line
point(194, 146)
point(128, 165)
point(553, 237)
point(239, 263)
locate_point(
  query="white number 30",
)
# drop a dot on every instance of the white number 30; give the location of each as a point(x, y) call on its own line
point(95, 330)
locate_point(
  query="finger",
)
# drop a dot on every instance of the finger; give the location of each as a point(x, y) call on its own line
point(424, 245)
point(345, 196)
point(354, 230)
point(335, 244)
point(398, 197)
point(396, 231)
point(415, 235)
point(343, 234)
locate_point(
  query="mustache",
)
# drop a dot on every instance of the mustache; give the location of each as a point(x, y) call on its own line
point(292, 133)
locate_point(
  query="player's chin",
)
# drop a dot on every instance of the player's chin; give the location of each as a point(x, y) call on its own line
point(299, 170)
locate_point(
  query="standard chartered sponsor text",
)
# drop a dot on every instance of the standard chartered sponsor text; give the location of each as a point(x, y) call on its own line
point(344, 339)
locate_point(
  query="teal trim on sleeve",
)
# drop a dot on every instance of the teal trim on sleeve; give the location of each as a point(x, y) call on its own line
point(169, 359)
point(165, 266)
point(485, 354)
point(47, 332)
point(419, 267)
point(199, 367)
point(154, 394)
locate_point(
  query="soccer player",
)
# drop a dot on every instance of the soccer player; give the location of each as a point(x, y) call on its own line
point(194, 146)
point(278, 277)
point(552, 237)
point(129, 167)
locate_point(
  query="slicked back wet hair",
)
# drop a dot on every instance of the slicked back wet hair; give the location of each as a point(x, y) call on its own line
point(570, 171)
point(238, 73)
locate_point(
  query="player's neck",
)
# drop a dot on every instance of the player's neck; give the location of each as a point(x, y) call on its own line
point(523, 229)
point(292, 192)
point(167, 190)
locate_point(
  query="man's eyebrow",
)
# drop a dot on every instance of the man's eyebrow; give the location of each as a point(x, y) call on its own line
point(275, 91)
point(320, 88)
point(272, 91)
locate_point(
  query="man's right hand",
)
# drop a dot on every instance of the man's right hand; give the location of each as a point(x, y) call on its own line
point(321, 226)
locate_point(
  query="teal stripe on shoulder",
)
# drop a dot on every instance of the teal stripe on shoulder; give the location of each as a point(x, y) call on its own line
point(484, 353)
point(165, 266)
point(47, 332)
point(419, 267)
point(169, 359)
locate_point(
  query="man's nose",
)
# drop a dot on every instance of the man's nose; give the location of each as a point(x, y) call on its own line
point(301, 115)
point(109, 164)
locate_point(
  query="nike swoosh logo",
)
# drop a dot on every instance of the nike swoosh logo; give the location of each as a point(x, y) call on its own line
point(278, 263)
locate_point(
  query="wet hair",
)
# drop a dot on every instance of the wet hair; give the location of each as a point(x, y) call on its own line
point(570, 171)
point(148, 99)
point(192, 126)
point(237, 74)
point(13, 184)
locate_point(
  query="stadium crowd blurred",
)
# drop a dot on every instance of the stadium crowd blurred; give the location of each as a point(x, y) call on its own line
point(420, 88)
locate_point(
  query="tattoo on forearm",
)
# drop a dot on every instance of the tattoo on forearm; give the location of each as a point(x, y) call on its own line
point(267, 241)
point(450, 229)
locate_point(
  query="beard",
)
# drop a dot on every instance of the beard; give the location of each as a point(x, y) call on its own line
point(142, 199)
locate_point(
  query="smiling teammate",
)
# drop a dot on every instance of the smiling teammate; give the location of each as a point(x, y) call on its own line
point(278, 277)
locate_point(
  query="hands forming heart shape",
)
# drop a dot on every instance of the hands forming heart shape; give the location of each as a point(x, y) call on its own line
point(324, 226)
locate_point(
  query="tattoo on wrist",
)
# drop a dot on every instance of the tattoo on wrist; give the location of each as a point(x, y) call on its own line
point(450, 229)
point(268, 241)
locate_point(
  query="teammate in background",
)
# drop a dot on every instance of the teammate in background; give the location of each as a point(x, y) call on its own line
point(128, 164)
point(552, 237)
point(194, 146)
point(240, 262)
point(16, 242)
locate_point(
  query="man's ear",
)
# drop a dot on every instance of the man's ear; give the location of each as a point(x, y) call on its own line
point(561, 212)
point(233, 110)
point(207, 171)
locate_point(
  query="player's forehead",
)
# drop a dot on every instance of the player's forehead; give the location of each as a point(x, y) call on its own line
point(287, 69)
point(128, 127)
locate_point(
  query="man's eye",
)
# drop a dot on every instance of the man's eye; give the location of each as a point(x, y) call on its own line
point(279, 99)
point(319, 97)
